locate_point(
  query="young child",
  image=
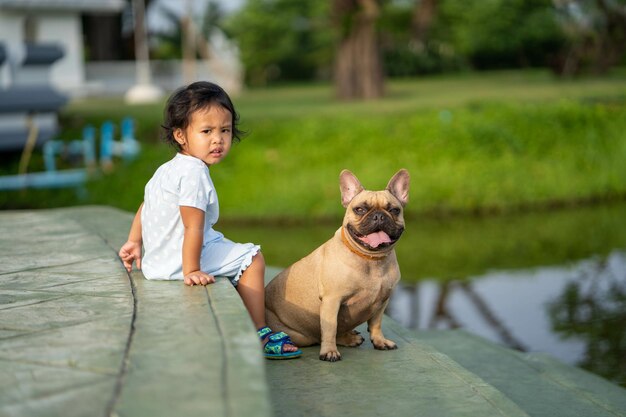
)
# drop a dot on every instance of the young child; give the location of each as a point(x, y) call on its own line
point(174, 224)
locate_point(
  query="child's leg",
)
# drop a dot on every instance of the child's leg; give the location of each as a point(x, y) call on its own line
point(251, 288)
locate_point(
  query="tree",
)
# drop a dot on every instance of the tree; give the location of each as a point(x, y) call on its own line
point(358, 71)
point(282, 39)
point(596, 35)
point(170, 40)
point(501, 33)
point(592, 310)
point(414, 42)
point(424, 13)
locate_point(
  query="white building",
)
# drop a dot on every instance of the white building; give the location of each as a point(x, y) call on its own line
point(61, 22)
point(50, 21)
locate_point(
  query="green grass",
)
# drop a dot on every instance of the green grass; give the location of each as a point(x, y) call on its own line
point(472, 143)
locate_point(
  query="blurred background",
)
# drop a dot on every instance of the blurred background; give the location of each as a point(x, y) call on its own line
point(510, 116)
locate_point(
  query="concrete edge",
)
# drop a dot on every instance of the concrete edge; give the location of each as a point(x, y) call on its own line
point(244, 363)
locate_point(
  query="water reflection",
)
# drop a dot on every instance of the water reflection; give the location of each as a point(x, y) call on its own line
point(552, 282)
point(592, 308)
point(576, 313)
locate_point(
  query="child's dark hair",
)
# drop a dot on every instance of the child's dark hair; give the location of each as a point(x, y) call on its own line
point(191, 98)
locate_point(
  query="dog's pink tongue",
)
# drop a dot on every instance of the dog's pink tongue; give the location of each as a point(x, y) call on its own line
point(376, 239)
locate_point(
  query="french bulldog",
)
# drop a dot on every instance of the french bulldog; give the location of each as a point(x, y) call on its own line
point(349, 279)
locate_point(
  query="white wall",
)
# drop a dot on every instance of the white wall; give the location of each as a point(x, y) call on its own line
point(11, 36)
point(70, 75)
point(64, 28)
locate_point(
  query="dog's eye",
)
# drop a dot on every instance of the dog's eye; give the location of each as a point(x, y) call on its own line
point(360, 210)
point(395, 211)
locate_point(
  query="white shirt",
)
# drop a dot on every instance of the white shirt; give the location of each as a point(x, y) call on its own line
point(182, 181)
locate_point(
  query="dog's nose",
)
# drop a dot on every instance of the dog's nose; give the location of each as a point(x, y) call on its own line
point(378, 216)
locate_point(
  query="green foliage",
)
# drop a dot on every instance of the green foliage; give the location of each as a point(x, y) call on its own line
point(294, 40)
point(529, 141)
point(501, 33)
point(402, 55)
point(495, 156)
point(282, 39)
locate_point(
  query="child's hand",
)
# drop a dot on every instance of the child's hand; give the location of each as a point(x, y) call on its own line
point(198, 278)
point(129, 253)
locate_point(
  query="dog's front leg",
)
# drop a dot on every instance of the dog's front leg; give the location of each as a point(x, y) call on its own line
point(328, 323)
point(374, 327)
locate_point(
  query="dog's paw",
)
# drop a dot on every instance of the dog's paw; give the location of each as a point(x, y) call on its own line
point(384, 344)
point(330, 355)
point(351, 339)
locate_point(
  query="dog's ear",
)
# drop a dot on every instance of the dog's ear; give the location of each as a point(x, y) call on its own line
point(349, 186)
point(399, 186)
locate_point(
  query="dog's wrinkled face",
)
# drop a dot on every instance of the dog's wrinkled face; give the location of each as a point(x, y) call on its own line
point(374, 219)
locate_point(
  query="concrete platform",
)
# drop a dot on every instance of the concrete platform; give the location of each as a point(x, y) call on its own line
point(438, 374)
point(81, 337)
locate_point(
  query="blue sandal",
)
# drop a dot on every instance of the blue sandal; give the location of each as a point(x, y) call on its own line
point(273, 348)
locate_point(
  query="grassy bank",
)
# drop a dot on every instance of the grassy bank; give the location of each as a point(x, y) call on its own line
point(490, 142)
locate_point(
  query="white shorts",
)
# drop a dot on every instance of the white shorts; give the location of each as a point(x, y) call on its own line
point(225, 258)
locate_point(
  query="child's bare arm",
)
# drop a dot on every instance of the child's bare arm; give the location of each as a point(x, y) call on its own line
point(131, 250)
point(193, 220)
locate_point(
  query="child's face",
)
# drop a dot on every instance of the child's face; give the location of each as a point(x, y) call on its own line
point(208, 136)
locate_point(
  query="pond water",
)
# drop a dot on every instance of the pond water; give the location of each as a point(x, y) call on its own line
point(551, 282)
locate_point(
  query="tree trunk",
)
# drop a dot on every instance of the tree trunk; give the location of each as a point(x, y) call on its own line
point(358, 65)
point(424, 14)
point(598, 48)
point(612, 39)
